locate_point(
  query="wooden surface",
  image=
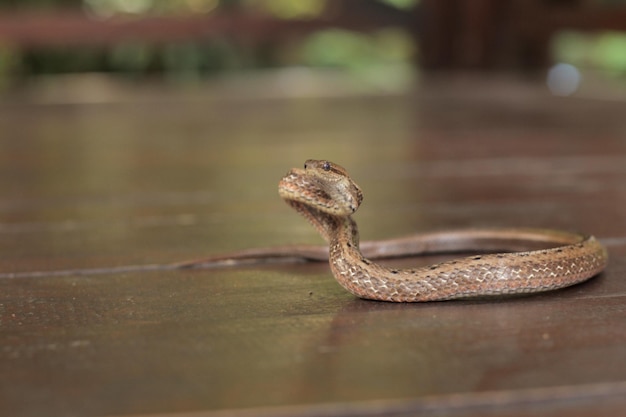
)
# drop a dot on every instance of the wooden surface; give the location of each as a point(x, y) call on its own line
point(163, 175)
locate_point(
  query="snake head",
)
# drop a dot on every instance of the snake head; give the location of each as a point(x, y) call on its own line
point(322, 185)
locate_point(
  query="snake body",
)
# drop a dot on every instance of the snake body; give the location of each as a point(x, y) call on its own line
point(326, 196)
point(324, 193)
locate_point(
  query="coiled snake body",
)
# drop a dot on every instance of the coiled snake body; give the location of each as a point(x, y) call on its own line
point(324, 193)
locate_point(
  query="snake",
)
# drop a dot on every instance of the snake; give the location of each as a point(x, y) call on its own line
point(510, 260)
point(327, 197)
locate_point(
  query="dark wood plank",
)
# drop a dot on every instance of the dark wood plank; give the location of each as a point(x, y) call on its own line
point(178, 176)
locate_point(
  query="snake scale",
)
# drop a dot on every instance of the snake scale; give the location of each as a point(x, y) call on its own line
point(326, 196)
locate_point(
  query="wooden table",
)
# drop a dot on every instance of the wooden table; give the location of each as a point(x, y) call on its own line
point(162, 175)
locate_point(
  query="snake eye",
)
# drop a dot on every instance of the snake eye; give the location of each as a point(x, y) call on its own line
point(326, 166)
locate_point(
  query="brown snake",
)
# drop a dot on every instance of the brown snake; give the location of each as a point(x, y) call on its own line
point(324, 194)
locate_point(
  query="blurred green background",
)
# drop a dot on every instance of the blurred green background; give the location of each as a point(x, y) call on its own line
point(369, 55)
point(384, 54)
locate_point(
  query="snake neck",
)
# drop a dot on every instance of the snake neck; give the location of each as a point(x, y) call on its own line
point(344, 240)
point(338, 231)
point(326, 224)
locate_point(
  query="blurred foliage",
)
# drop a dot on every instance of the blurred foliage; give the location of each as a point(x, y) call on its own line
point(605, 51)
point(357, 52)
point(108, 8)
point(341, 48)
point(288, 9)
